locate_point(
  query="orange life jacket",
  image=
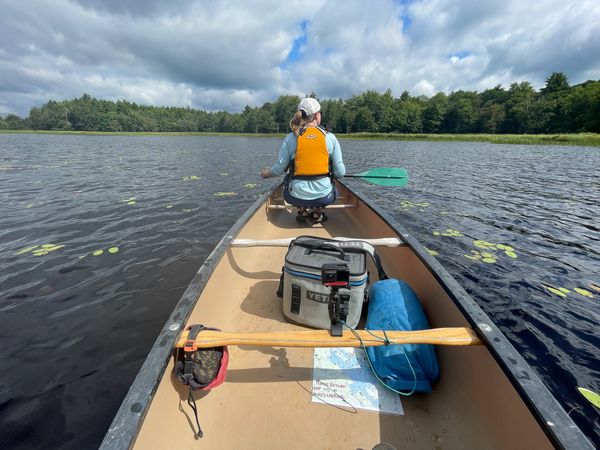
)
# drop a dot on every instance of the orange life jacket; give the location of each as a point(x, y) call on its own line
point(312, 158)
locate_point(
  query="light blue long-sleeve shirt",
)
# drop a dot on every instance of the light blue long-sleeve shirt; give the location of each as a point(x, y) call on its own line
point(310, 189)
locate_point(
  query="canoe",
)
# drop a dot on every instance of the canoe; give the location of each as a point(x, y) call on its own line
point(487, 396)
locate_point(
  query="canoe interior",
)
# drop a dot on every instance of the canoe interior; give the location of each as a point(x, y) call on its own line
point(266, 401)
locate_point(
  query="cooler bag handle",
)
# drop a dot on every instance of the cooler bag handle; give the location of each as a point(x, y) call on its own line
point(338, 246)
point(316, 245)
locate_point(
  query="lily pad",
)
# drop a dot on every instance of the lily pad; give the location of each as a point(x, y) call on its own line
point(507, 248)
point(98, 252)
point(132, 202)
point(510, 253)
point(476, 256)
point(591, 396)
point(594, 287)
point(113, 250)
point(584, 292)
point(225, 194)
point(451, 233)
point(169, 206)
point(491, 260)
point(432, 252)
point(51, 247)
point(192, 177)
point(556, 291)
point(26, 249)
point(250, 185)
point(484, 244)
point(39, 250)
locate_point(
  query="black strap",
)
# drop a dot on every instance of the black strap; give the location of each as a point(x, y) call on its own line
point(187, 355)
point(280, 287)
point(194, 331)
point(380, 272)
point(192, 402)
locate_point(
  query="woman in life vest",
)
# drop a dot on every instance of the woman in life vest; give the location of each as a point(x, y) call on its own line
point(314, 158)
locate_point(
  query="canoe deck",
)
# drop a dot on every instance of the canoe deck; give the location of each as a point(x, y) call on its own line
point(266, 401)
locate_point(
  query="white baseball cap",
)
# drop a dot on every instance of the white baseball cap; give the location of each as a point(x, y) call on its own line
point(309, 105)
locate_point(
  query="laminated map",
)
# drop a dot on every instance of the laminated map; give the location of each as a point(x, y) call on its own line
point(343, 377)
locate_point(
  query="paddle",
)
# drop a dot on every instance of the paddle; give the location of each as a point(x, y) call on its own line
point(322, 338)
point(384, 176)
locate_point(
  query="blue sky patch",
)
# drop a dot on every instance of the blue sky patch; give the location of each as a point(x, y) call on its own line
point(460, 55)
point(295, 53)
point(404, 17)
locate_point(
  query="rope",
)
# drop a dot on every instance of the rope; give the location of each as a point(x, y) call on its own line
point(387, 342)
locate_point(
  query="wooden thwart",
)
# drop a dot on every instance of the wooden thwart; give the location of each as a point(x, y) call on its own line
point(322, 338)
point(285, 242)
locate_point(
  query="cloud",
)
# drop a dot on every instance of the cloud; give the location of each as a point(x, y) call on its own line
point(223, 55)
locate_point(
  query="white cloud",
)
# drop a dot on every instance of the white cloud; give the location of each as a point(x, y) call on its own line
point(424, 87)
point(223, 55)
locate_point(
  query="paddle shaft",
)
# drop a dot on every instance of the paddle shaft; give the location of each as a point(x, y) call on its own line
point(322, 338)
point(390, 177)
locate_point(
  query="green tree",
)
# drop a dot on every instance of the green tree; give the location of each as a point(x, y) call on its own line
point(13, 122)
point(584, 107)
point(556, 83)
point(461, 116)
point(284, 109)
point(519, 108)
point(434, 113)
point(333, 115)
point(364, 121)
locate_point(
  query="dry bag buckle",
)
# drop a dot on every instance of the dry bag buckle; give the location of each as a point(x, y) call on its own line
point(190, 346)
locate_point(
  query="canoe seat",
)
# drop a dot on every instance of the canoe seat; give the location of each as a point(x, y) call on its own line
point(280, 203)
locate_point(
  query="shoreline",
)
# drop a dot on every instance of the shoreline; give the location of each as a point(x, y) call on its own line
point(574, 139)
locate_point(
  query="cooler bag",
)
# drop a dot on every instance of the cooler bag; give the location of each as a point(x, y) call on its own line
point(305, 298)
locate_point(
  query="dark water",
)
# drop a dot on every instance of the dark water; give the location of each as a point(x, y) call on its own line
point(75, 327)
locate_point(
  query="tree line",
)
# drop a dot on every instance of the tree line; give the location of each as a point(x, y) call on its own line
point(556, 108)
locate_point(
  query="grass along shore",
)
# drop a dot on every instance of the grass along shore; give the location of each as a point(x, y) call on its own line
point(575, 139)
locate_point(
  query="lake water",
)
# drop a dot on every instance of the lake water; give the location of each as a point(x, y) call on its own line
point(76, 325)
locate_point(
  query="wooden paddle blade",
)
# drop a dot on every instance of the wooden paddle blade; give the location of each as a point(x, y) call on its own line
point(384, 176)
point(322, 338)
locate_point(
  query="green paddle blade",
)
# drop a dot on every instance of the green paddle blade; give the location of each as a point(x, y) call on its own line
point(384, 176)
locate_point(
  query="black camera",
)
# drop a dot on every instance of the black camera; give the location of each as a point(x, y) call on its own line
point(335, 274)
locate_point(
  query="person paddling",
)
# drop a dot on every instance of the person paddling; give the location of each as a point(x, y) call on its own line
point(313, 157)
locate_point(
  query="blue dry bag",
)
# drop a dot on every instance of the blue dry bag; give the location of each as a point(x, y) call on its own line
point(394, 306)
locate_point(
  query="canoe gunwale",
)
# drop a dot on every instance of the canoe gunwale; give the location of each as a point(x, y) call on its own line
point(553, 419)
point(126, 425)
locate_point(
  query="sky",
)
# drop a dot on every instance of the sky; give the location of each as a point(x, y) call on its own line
point(223, 55)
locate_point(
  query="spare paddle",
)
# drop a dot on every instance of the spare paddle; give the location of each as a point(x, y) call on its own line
point(322, 338)
point(384, 176)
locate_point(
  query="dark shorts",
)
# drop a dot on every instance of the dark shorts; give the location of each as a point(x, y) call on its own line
point(315, 203)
